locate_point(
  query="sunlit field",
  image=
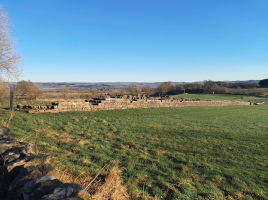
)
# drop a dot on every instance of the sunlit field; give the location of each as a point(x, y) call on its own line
point(173, 153)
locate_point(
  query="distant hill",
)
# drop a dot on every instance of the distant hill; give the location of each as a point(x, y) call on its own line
point(110, 85)
point(92, 85)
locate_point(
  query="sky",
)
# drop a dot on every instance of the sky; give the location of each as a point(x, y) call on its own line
point(140, 40)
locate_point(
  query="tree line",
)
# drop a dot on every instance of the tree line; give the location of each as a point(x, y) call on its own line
point(207, 87)
point(27, 90)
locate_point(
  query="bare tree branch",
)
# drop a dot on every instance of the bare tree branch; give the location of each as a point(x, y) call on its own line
point(10, 61)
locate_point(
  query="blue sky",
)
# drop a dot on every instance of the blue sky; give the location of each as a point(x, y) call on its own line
point(141, 40)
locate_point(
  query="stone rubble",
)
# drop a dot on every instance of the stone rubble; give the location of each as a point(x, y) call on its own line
point(27, 175)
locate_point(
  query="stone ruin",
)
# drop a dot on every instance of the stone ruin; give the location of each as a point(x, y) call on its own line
point(125, 102)
point(27, 175)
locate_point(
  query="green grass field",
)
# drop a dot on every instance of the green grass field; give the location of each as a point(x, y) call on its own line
point(173, 153)
point(220, 97)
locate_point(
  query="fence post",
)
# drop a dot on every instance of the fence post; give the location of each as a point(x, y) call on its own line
point(12, 94)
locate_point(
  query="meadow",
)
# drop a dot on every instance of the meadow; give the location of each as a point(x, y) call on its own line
point(168, 153)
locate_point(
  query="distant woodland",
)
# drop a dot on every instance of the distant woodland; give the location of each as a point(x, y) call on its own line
point(53, 91)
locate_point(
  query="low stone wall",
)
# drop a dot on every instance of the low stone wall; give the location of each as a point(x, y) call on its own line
point(122, 103)
point(27, 175)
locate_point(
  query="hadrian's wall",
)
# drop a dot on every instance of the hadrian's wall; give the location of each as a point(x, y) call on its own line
point(27, 175)
point(123, 103)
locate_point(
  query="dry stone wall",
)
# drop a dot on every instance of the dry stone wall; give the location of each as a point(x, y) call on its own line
point(125, 103)
point(27, 175)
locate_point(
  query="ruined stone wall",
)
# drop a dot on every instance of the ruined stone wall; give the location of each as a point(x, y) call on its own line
point(122, 103)
point(27, 175)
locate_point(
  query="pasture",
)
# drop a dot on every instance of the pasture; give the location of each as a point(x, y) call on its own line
point(169, 153)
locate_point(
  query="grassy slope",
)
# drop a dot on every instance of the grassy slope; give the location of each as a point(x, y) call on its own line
point(186, 153)
point(220, 97)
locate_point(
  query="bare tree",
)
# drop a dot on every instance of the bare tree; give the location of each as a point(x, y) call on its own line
point(134, 89)
point(4, 89)
point(149, 91)
point(27, 89)
point(165, 87)
point(213, 87)
point(10, 61)
point(209, 86)
point(64, 92)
